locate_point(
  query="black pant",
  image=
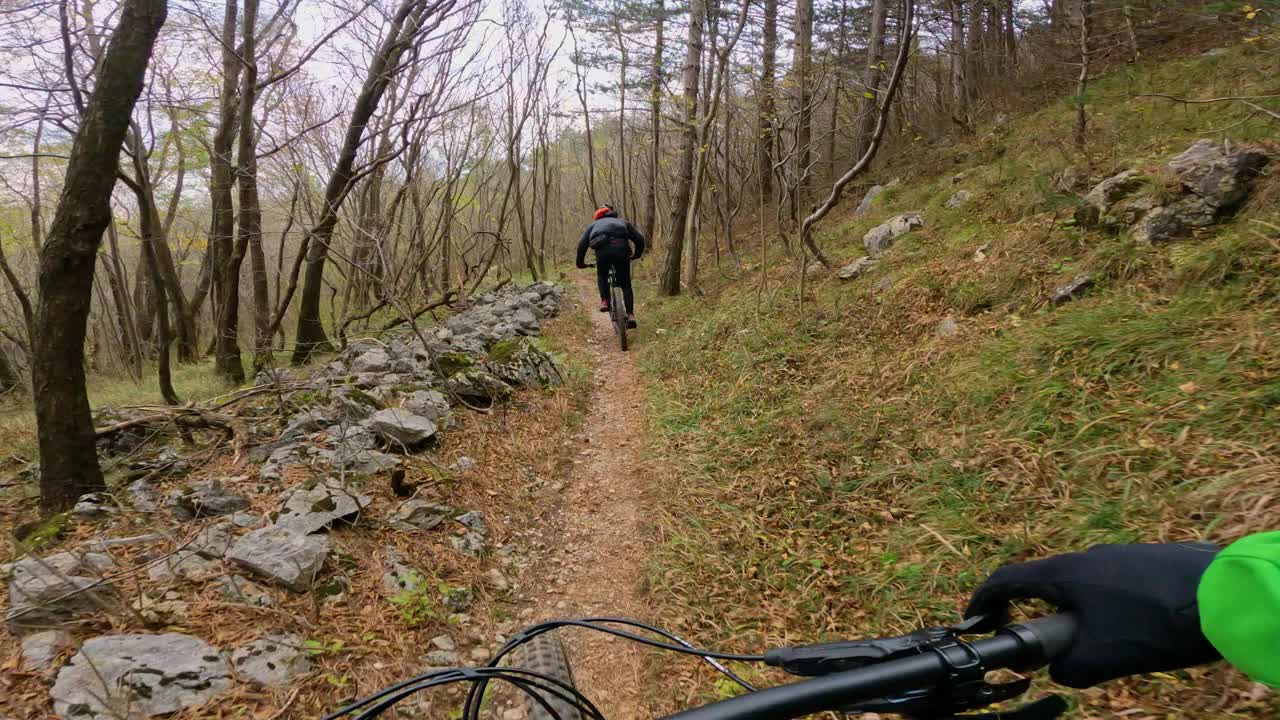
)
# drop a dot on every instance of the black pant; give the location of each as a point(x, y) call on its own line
point(617, 257)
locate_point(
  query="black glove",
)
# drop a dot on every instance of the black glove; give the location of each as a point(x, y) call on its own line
point(582, 266)
point(1136, 606)
point(636, 256)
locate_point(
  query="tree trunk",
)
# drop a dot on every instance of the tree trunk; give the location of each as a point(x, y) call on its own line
point(249, 236)
point(872, 79)
point(69, 461)
point(222, 240)
point(670, 281)
point(959, 82)
point(405, 25)
point(765, 141)
point(655, 126)
point(804, 78)
point(1082, 81)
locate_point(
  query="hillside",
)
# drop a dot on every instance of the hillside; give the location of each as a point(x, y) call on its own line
point(852, 464)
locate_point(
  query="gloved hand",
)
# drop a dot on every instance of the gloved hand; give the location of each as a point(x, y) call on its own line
point(1136, 606)
point(636, 255)
point(582, 266)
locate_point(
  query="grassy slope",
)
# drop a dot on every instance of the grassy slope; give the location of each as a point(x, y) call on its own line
point(843, 471)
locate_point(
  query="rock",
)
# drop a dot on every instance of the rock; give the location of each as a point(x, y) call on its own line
point(497, 580)
point(272, 376)
point(318, 504)
point(1201, 151)
point(1214, 52)
point(167, 462)
point(947, 328)
point(334, 590)
point(478, 385)
point(354, 404)
point(101, 544)
point(480, 655)
point(399, 427)
point(1072, 290)
point(213, 541)
point(884, 284)
point(282, 555)
point(430, 404)
point(961, 197)
point(857, 268)
point(205, 498)
point(816, 268)
point(1099, 203)
point(94, 506)
point(142, 495)
point(881, 237)
point(371, 361)
point(474, 520)
point(360, 462)
point(273, 660)
point(241, 590)
point(1223, 182)
point(46, 591)
point(399, 577)
point(244, 519)
point(519, 362)
point(126, 676)
point(41, 649)
point(463, 464)
point(184, 564)
point(457, 599)
point(440, 658)
point(469, 543)
point(870, 197)
point(444, 642)
point(305, 423)
point(280, 458)
point(980, 254)
point(418, 514)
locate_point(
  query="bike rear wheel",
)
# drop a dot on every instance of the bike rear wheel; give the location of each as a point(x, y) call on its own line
point(545, 655)
point(619, 307)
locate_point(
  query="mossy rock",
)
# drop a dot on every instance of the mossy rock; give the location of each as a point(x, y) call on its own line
point(504, 350)
point(452, 363)
point(41, 533)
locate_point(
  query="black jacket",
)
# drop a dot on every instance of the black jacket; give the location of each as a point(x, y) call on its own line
point(610, 227)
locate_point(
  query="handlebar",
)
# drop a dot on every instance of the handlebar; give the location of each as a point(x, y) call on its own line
point(1024, 646)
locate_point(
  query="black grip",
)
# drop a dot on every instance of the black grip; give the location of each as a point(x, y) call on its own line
point(1053, 634)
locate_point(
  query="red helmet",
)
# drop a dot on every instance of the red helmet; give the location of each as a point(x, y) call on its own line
point(604, 209)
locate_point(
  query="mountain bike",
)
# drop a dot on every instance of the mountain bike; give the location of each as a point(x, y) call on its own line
point(617, 308)
point(930, 674)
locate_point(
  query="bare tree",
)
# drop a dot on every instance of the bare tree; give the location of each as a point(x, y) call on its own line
point(69, 462)
point(670, 281)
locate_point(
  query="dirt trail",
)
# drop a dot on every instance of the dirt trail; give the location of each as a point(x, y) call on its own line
point(599, 528)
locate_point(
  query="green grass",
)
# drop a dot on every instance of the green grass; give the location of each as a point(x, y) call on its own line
point(842, 471)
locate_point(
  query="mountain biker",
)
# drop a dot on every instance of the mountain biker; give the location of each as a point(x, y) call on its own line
point(612, 238)
point(1151, 608)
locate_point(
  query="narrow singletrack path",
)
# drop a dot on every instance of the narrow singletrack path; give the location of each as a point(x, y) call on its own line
point(600, 530)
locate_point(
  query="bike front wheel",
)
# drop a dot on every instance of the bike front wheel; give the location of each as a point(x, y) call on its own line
point(620, 317)
point(545, 655)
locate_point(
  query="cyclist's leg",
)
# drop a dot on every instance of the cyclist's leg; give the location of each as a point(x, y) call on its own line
point(623, 263)
point(602, 279)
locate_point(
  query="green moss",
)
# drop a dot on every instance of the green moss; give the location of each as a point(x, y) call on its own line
point(451, 363)
point(503, 350)
point(38, 534)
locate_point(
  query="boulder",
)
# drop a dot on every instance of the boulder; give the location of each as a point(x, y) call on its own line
point(440, 659)
point(857, 268)
point(272, 376)
point(1071, 290)
point(399, 577)
point(126, 676)
point(205, 498)
point(473, 520)
point(305, 423)
point(882, 237)
point(273, 660)
point(870, 197)
point(46, 591)
point(318, 504)
point(41, 649)
point(142, 495)
point(884, 284)
point(418, 514)
point(1222, 182)
point(354, 404)
point(282, 555)
point(1099, 207)
point(961, 197)
point(470, 543)
point(457, 599)
point(401, 428)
